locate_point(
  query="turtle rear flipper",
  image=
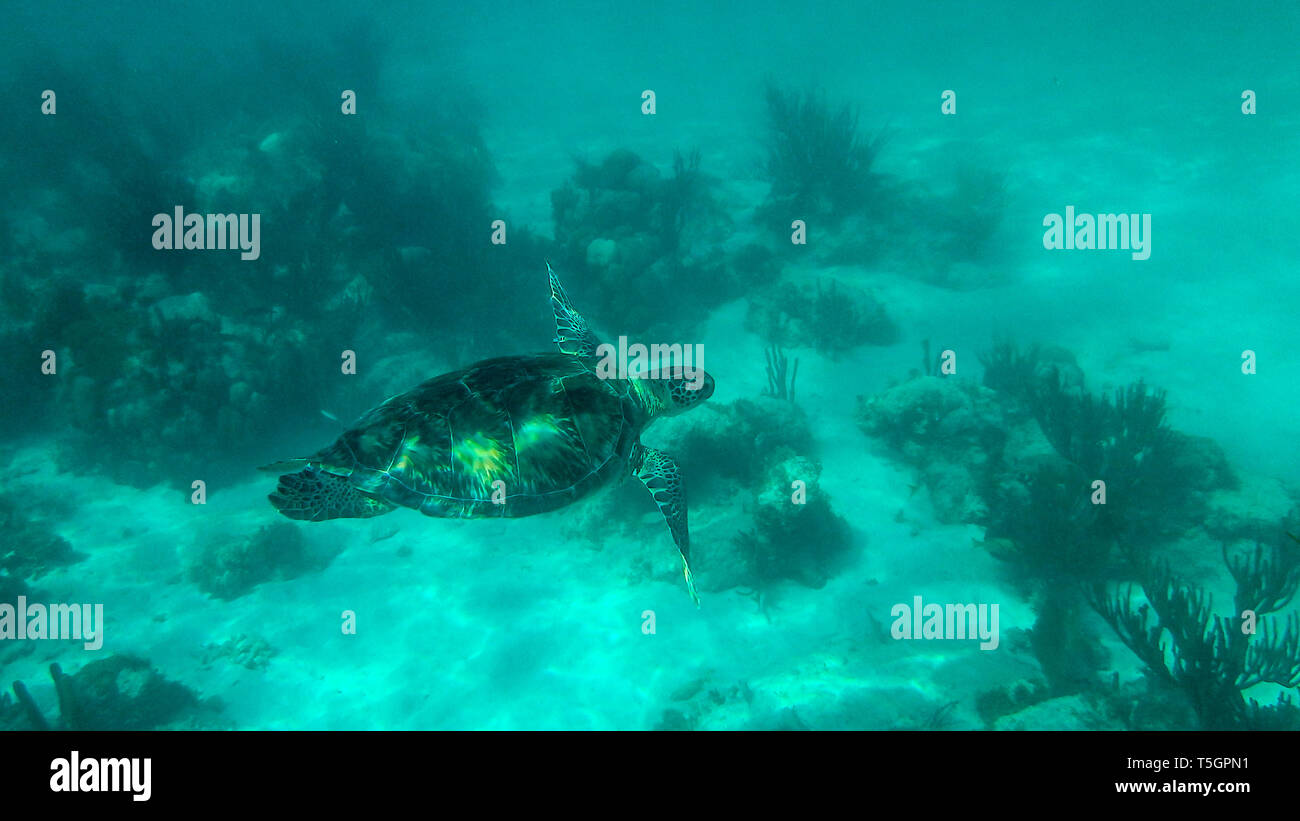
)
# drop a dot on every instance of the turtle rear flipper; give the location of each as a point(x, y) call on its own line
point(314, 495)
point(661, 476)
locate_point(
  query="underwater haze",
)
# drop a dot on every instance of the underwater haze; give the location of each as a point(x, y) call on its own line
point(996, 302)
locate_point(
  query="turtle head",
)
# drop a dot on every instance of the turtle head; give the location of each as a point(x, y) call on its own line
point(682, 390)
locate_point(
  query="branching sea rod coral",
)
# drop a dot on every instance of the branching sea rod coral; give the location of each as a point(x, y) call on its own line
point(1154, 476)
point(1026, 456)
point(817, 159)
point(1213, 659)
point(1013, 372)
point(682, 193)
point(778, 386)
point(1043, 527)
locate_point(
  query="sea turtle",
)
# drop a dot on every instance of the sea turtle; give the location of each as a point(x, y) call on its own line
point(512, 436)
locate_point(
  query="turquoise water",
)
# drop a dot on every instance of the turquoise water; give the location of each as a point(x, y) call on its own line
point(862, 190)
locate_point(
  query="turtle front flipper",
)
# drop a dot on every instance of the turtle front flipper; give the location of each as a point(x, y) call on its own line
point(661, 476)
point(571, 331)
point(315, 495)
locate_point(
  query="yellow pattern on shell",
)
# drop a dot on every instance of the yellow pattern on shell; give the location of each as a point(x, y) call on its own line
point(482, 456)
point(546, 446)
point(402, 464)
point(536, 430)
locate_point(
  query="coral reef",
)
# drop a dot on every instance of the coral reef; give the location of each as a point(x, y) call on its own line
point(640, 237)
point(705, 442)
point(796, 541)
point(775, 539)
point(21, 713)
point(939, 227)
point(31, 548)
point(120, 692)
point(1057, 538)
point(747, 531)
point(1042, 527)
point(1021, 375)
point(952, 430)
point(148, 382)
point(115, 181)
point(1033, 437)
point(1020, 455)
point(831, 320)
point(227, 567)
point(1157, 479)
point(698, 700)
point(156, 363)
point(248, 651)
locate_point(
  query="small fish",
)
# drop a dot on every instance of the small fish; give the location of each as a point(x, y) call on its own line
point(330, 416)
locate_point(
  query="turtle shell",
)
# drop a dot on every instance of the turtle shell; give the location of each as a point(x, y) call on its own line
point(545, 425)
